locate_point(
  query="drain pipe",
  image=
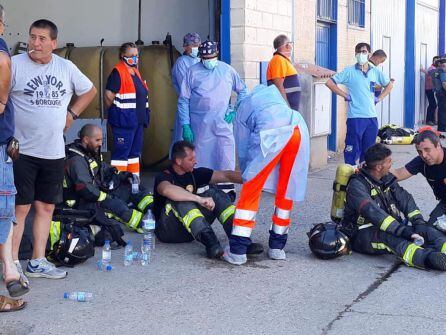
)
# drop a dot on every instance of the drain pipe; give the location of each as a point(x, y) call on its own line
point(139, 41)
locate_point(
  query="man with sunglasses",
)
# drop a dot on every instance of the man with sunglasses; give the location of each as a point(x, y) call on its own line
point(360, 80)
point(282, 73)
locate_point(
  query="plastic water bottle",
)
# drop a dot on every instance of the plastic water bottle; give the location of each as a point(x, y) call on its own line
point(135, 184)
point(145, 253)
point(440, 224)
point(149, 227)
point(128, 254)
point(78, 296)
point(106, 253)
point(104, 266)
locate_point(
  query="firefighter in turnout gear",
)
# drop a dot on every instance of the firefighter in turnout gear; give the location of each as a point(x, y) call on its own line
point(186, 202)
point(373, 216)
point(91, 183)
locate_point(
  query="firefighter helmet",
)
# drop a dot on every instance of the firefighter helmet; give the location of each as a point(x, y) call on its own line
point(327, 241)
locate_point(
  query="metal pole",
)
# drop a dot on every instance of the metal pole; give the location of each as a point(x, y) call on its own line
point(139, 41)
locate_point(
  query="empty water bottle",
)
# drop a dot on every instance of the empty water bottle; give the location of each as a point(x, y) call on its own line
point(106, 252)
point(104, 266)
point(135, 184)
point(148, 228)
point(440, 224)
point(128, 254)
point(78, 296)
point(145, 253)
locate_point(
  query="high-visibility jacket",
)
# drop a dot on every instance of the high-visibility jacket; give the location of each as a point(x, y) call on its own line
point(122, 113)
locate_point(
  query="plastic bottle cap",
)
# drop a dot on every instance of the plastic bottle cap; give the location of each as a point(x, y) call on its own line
point(66, 295)
point(108, 267)
point(107, 241)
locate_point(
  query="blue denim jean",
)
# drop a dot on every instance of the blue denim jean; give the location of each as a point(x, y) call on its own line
point(7, 194)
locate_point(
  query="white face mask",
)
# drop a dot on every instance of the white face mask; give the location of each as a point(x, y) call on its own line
point(194, 52)
point(362, 58)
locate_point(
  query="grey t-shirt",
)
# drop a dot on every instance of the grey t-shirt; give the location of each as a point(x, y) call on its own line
point(41, 94)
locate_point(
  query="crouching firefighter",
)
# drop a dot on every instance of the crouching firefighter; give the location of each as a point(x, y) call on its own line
point(186, 202)
point(373, 219)
point(91, 183)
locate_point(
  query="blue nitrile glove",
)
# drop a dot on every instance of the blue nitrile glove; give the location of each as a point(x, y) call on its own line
point(348, 98)
point(230, 115)
point(376, 100)
point(188, 135)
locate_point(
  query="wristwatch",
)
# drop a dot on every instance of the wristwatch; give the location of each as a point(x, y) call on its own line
point(73, 114)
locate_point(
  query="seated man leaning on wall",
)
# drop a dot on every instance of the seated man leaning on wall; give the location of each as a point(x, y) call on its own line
point(91, 183)
point(186, 202)
point(373, 217)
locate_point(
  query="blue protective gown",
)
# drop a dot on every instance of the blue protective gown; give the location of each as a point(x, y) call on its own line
point(264, 125)
point(178, 73)
point(204, 99)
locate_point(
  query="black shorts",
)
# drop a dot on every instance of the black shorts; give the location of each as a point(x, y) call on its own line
point(38, 179)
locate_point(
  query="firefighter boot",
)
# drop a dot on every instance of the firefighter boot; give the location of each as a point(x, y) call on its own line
point(210, 241)
point(436, 261)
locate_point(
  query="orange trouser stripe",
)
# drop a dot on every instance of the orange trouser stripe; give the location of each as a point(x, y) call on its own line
point(252, 190)
point(133, 168)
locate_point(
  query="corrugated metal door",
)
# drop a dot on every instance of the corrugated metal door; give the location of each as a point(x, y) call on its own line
point(323, 45)
point(426, 43)
point(388, 33)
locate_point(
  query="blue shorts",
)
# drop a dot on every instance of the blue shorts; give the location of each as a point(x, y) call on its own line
point(7, 194)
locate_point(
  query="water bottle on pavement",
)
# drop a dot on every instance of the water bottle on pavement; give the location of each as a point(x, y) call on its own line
point(106, 252)
point(148, 226)
point(145, 253)
point(128, 254)
point(106, 267)
point(135, 184)
point(78, 296)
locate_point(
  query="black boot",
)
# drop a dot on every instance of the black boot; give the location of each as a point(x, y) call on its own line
point(210, 241)
point(254, 249)
point(436, 261)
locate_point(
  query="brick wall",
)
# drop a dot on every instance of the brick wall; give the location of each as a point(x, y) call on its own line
point(254, 25)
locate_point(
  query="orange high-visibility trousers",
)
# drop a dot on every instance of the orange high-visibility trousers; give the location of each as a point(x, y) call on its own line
point(248, 204)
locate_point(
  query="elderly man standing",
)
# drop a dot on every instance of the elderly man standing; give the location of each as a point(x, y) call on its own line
point(362, 123)
point(204, 111)
point(191, 42)
point(41, 90)
point(282, 73)
point(8, 150)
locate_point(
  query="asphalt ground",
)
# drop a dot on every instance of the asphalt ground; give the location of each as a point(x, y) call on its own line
point(182, 292)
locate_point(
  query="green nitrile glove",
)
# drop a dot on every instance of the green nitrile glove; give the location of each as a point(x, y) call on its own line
point(188, 135)
point(230, 115)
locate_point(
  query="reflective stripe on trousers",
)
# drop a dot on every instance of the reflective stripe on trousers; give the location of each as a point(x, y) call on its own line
point(248, 204)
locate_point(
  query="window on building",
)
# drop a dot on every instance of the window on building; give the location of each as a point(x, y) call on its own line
point(356, 13)
point(326, 10)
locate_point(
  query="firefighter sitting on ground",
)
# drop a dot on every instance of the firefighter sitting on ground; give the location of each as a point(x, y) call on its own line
point(372, 216)
point(91, 183)
point(186, 202)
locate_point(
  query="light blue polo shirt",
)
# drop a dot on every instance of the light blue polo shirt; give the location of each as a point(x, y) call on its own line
point(361, 87)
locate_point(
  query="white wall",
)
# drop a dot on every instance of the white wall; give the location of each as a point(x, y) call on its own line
point(388, 24)
point(426, 47)
point(85, 22)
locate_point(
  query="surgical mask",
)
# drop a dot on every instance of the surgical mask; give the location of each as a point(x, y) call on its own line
point(194, 52)
point(210, 64)
point(131, 61)
point(361, 58)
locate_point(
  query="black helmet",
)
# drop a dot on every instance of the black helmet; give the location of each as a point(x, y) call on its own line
point(75, 246)
point(327, 241)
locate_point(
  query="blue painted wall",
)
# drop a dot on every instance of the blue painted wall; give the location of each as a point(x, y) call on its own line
point(409, 89)
point(442, 27)
point(225, 31)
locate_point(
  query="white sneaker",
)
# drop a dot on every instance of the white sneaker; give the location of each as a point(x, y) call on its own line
point(41, 268)
point(277, 254)
point(235, 259)
point(20, 271)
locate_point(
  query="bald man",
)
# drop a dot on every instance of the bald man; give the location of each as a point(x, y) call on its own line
point(92, 183)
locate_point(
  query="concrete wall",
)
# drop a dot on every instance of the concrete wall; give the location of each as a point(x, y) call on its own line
point(85, 22)
point(254, 25)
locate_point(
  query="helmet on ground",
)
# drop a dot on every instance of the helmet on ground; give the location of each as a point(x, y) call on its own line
point(327, 241)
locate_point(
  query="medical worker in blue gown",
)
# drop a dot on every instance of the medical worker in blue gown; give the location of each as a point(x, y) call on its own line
point(191, 42)
point(205, 113)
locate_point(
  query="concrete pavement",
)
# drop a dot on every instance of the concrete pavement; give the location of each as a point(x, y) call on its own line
point(182, 292)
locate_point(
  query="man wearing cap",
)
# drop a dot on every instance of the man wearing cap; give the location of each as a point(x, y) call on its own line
point(204, 111)
point(282, 73)
point(191, 42)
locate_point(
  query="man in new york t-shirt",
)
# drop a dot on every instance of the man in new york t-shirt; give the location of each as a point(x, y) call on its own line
point(41, 90)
